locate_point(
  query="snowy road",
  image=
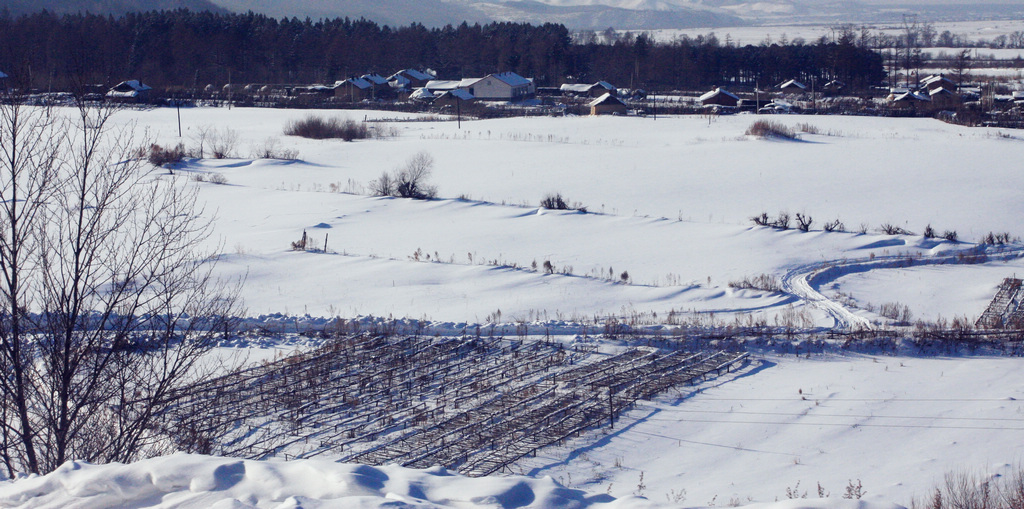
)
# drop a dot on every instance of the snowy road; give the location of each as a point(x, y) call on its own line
point(805, 280)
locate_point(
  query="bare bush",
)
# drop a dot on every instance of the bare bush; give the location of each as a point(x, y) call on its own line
point(969, 490)
point(554, 202)
point(997, 239)
point(770, 129)
point(383, 185)
point(319, 128)
point(891, 229)
point(159, 156)
point(929, 232)
point(803, 222)
point(223, 143)
point(411, 180)
point(782, 221)
point(835, 226)
point(271, 149)
point(761, 219)
point(217, 178)
point(764, 282)
point(950, 235)
point(808, 128)
point(854, 491)
point(557, 202)
point(896, 311)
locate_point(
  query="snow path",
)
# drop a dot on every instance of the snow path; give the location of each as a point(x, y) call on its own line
point(803, 281)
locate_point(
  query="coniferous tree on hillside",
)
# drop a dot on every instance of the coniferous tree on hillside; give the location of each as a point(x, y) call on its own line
point(182, 49)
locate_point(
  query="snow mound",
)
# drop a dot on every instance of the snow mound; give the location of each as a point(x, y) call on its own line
point(186, 481)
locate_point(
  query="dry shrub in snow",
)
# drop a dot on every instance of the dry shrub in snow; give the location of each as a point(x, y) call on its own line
point(557, 202)
point(410, 181)
point(764, 282)
point(223, 143)
point(896, 311)
point(770, 129)
point(159, 156)
point(891, 229)
point(271, 149)
point(835, 226)
point(319, 128)
point(968, 490)
point(803, 222)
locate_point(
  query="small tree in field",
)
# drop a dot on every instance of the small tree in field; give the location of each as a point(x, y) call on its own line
point(411, 180)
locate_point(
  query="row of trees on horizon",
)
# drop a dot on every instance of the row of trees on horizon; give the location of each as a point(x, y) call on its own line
point(186, 50)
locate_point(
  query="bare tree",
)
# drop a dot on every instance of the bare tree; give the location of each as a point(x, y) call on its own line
point(411, 180)
point(107, 302)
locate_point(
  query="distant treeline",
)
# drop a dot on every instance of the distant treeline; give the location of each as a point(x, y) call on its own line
point(186, 49)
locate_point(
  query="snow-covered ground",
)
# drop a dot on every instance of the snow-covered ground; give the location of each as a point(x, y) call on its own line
point(669, 202)
point(893, 425)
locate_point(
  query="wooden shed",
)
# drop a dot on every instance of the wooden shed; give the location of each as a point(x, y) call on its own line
point(720, 97)
point(607, 104)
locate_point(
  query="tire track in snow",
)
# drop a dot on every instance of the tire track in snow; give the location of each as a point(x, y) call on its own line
point(803, 281)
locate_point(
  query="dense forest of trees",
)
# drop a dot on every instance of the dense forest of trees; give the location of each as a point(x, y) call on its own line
point(182, 49)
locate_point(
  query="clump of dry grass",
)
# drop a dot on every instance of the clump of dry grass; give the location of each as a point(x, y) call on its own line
point(770, 129)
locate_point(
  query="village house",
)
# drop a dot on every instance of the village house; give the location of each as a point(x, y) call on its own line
point(943, 97)
point(937, 81)
point(502, 86)
point(409, 79)
point(719, 97)
point(505, 86)
point(588, 89)
point(380, 88)
point(834, 87)
point(453, 98)
point(353, 89)
point(908, 100)
point(607, 104)
point(793, 87)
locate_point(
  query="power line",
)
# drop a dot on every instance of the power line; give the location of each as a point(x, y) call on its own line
point(868, 416)
point(867, 399)
point(836, 424)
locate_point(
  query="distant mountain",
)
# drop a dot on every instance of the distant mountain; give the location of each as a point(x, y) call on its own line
point(115, 7)
point(584, 15)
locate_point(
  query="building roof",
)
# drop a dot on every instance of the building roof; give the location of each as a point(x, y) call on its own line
point(576, 88)
point(359, 83)
point(458, 93)
point(910, 96)
point(2, 75)
point(443, 85)
point(939, 90)
point(583, 88)
point(128, 89)
point(375, 79)
point(793, 83)
point(936, 78)
point(716, 92)
point(607, 98)
point(512, 79)
point(422, 94)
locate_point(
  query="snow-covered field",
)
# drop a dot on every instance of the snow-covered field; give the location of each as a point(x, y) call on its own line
point(668, 202)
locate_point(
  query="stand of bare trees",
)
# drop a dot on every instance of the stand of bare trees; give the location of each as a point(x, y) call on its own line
point(106, 302)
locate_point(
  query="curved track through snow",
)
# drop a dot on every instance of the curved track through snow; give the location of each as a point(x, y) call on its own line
point(805, 280)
